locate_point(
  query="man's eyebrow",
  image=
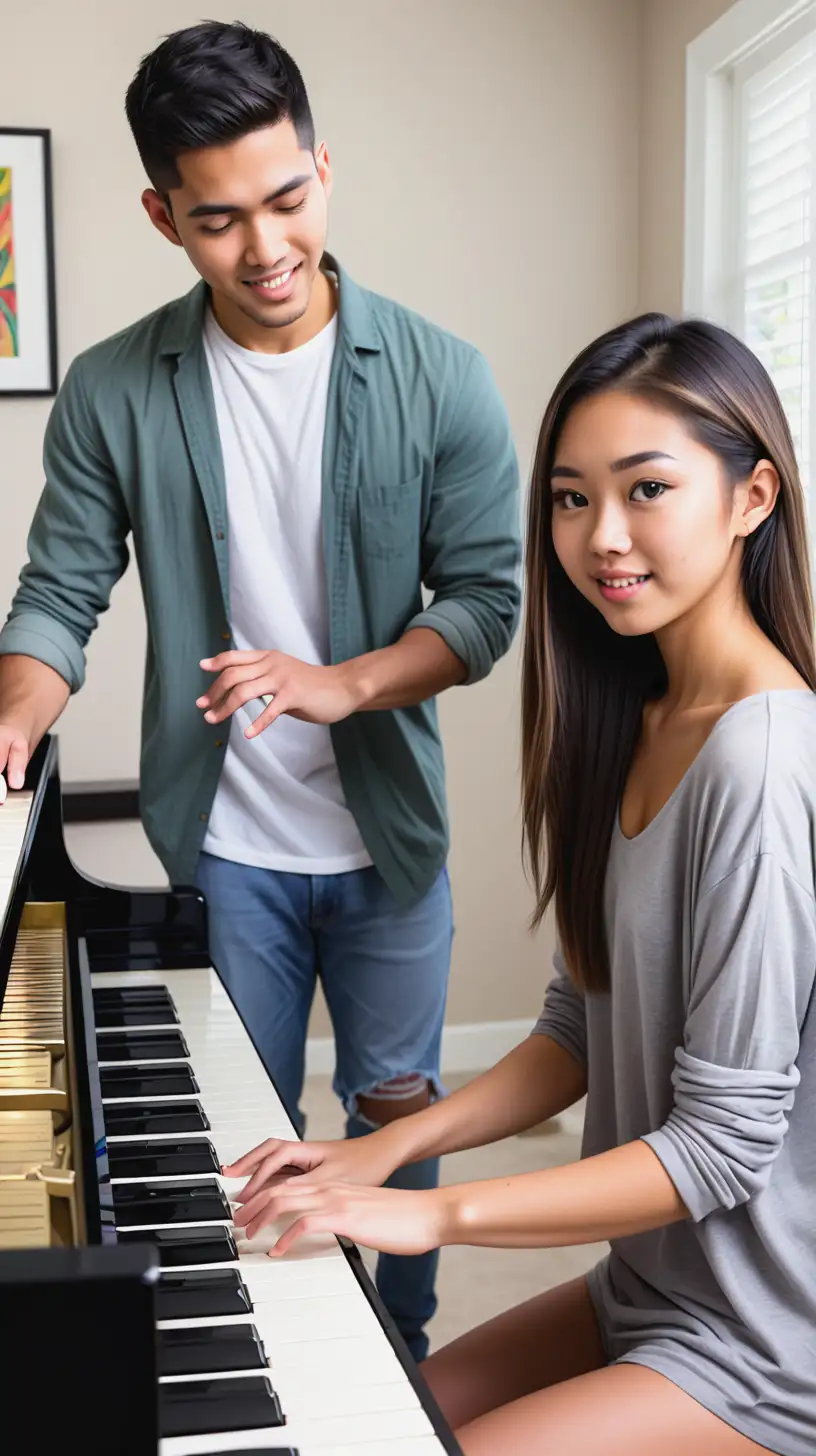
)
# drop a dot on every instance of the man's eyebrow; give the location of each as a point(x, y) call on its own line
point(221, 209)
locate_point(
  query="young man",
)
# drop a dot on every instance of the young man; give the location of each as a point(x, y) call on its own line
point(295, 458)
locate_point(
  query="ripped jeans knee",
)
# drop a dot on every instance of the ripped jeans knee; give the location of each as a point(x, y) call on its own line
point(395, 1097)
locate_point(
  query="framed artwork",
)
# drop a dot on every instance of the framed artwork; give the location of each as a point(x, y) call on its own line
point(28, 322)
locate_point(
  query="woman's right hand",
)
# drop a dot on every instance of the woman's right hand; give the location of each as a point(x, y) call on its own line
point(364, 1160)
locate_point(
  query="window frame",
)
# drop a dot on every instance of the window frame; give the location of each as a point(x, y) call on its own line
point(750, 35)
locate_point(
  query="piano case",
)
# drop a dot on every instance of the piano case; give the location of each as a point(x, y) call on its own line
point(78, 1351)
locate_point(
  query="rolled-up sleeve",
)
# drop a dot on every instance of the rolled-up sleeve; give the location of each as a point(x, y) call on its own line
point(77, 545)
point(563, 1017)
point(735, 1077)
point(471, 549)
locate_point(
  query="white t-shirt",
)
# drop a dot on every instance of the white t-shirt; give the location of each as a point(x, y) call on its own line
point(279, 803)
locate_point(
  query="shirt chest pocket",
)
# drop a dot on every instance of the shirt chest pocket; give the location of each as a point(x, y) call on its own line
point(390, 519)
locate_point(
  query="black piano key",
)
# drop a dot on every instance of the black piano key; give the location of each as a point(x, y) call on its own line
point(162, 1159)
point(140, 996)
point(144, 1016)
point(158, 1203)
point(265, 1450)
point(149, 1118)
point(131, 995)
point(139, 1082)
point(205, 1407)
point(201, 1294)
point(140, 1046)
point(186, 1246)
point(210, 1350)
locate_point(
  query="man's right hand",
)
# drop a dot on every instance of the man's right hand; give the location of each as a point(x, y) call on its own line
point(32, 696)
point(14, 755)
point(369, 1160)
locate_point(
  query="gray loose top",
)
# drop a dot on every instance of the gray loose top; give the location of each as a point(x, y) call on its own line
point(705, 1047)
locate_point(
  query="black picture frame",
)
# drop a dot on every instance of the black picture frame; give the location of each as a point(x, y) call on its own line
point(47, 388)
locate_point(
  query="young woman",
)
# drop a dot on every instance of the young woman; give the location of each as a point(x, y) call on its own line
point(669, 773)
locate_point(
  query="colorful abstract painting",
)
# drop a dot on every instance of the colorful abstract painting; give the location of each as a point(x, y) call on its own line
point(9, 342)
point(28, 313)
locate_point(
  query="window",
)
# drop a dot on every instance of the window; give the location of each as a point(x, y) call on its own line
point(775, 115)
point(751, 195)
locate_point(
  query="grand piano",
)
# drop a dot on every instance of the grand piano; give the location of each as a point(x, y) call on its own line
point(134, 1318)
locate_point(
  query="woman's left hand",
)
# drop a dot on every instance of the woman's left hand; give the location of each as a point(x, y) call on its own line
point(390, 1220)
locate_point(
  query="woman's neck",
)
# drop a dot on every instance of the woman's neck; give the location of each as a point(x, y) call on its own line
point(716, 655)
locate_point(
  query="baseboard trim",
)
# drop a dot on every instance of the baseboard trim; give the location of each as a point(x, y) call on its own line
point(100, 803)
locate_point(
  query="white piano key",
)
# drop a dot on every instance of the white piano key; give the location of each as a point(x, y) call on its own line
point(347, 1400)
point(385, 1426)
point(149, 1097)
point(325, 1279)
point(163, 1178)
point(204, 1322)
point(294, 1265)
point(320, 1317)
point(156, 1137)
point(317, 1317)
point(117, 980)
point(353, 1360)
point(233, 1145)
point(227, 1441)
point(402, 1446)
point(263, 1440)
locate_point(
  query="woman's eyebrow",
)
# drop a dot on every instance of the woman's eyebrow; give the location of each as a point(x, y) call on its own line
point(627, 462)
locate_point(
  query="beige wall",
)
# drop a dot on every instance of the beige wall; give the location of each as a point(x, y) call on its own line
point(486, 164)
point(667, 28)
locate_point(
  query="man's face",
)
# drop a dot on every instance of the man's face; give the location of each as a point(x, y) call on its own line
point(251, 216)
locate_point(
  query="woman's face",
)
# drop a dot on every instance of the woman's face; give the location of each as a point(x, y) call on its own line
point(645, 523)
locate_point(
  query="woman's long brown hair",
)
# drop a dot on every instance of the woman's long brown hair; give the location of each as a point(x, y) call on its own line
point(583, 685)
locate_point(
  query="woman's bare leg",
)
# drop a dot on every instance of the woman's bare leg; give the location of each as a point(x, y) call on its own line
point(547, 1339)
point(621, 1410)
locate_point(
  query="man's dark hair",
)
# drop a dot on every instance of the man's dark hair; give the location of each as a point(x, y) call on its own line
point(209, 85)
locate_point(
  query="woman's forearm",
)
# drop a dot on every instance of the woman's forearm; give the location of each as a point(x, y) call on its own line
point(534, 1082)
point(611, 1196)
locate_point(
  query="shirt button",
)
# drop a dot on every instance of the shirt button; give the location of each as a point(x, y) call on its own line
point(219, 535)
point(203, 818)
point(219, 743)
point(225, 636)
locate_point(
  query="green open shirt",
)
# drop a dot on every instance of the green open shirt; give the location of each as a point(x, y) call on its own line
point(420, 487)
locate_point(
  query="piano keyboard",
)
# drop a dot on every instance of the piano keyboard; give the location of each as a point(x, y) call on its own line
point(14, 814)
point(243, 1338)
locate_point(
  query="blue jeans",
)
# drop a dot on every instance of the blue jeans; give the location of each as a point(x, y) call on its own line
point(384, 973)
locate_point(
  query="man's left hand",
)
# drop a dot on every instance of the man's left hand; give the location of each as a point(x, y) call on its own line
point(312, 694)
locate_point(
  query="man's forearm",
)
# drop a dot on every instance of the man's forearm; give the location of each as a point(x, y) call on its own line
point(534, 1082)
point(414, 669)
point(32, 696)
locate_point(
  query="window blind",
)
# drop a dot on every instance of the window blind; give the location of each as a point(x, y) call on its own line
point(776, 127)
